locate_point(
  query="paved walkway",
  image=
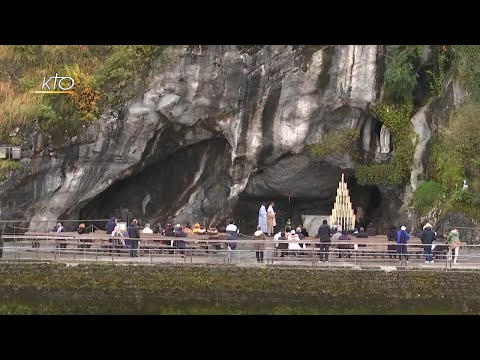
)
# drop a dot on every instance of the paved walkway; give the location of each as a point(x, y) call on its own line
point(244, 257)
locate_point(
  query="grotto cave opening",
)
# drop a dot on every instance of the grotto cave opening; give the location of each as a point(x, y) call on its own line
point(306, 200)
point(193, 185)
point(160, 191)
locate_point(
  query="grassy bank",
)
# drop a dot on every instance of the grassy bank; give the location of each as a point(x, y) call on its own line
point(107, 289)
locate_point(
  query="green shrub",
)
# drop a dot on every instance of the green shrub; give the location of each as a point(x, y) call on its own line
point(455, 155)
point(336, 143)
point(117, 76)
point(466, 59)
point(400, 74)
point(8, 166)
point(427, 196)
point(442, 61)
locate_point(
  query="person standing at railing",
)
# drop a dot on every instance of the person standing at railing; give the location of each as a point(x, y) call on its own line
point(453, 242)
point(259, 238)
point(232, 232)
point(427, 236)
point(324, 233)
point(402, 237)
point(134, 235)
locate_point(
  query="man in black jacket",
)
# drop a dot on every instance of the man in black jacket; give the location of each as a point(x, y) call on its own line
point(110, 226)
point(133, 234)
point(324, 233)
point(427, 237)
point(1, 242)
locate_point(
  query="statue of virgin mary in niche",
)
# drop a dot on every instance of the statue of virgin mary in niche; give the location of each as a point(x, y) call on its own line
point(384, 140)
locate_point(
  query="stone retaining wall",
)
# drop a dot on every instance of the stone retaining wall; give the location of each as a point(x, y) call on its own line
point(57, 288)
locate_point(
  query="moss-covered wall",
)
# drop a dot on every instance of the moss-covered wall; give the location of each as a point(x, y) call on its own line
point(55, 288)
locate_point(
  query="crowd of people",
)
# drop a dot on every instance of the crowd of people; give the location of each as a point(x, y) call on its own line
point(325, 234)
point(292, 236)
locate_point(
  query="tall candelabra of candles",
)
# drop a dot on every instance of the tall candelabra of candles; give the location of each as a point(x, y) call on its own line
point(342, 213)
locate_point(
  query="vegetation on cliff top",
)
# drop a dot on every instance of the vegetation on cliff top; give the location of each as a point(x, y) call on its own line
point(104, 75)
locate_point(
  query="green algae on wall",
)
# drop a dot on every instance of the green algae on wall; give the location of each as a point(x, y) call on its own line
point(108, 289)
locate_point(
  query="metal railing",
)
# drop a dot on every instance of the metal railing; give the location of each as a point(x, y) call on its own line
point(50, 248)
point(22, 226)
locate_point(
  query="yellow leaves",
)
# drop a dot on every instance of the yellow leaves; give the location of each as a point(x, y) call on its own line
point(86, 96)
point(86, 99)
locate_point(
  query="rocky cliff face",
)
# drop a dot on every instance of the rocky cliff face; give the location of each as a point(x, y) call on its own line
point(218, 125)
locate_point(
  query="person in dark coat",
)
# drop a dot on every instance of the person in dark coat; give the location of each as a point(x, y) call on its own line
point(304, 231)
point(392, 237)
point(110, 226)
point(1, 243)
point(157, 229)
point(371, 230)
point(179, 233)
point(428, 236)
point(134, 235)
point(82, 229)
point(344, 237)
point(402, 237)
point(324, 233)
point(169, 230)
point(362, 234)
